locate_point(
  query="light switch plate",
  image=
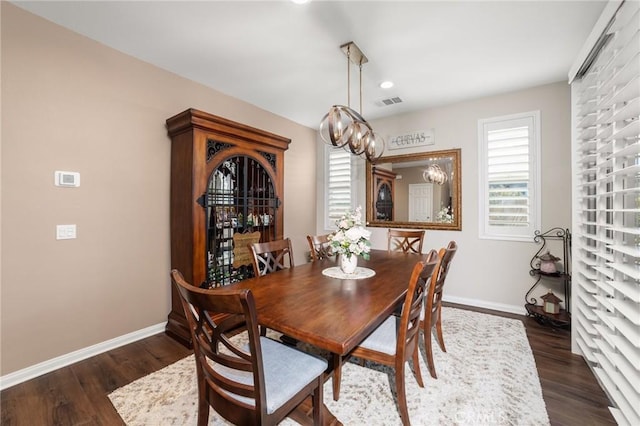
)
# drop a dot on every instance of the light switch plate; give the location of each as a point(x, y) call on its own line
point(65, 232)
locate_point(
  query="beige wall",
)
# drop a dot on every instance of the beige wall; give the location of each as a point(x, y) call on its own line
point(489, 273)
point(69, 103)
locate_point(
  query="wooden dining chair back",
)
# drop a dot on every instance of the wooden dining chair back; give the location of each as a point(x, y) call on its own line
point(405, 241)
point(319, 247)
point(258, 382)
point(271, 256)
point(395, 342)
point(432, 315)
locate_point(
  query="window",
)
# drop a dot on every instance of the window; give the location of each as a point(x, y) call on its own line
point(338, 193)
point(509, 195)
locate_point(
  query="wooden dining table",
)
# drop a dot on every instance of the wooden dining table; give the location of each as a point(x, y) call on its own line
point(332, 314)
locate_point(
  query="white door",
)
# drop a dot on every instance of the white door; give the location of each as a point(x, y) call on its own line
point(421, 202)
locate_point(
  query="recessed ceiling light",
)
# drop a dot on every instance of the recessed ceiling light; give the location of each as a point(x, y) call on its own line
point(300, 1)
point(386, 84)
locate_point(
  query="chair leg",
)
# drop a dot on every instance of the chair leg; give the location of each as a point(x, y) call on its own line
point(439, 332)
point(318, 404)
point(429, 350)
point(203, 406)
point(402, 396)
point(416, 367)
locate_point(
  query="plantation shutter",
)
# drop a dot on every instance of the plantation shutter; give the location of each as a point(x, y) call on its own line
point(606, 263)
point(339, 192)
point(508, 174)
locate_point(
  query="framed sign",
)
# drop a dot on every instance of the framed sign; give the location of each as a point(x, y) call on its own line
point(412, 139)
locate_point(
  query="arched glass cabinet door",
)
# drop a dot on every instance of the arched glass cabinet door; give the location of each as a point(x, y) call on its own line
point(384, 203)
point(384, 194)
point(241, 204)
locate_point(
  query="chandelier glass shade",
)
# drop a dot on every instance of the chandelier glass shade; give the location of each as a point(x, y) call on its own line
point(434, 174)
point(343, 127)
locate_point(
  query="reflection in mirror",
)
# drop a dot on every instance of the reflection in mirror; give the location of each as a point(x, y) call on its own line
point(415, 191)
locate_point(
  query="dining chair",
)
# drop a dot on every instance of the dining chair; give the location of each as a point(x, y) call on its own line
point(405, 241)
point(259, 382)
point(271, 256)
point(431, 315)
point(319, 247)
point(395, 341)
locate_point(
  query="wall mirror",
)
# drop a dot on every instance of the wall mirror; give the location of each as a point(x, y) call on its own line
point(420, 191)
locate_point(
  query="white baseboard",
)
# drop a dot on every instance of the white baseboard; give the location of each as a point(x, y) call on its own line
point(73, 357)
point(512, 309)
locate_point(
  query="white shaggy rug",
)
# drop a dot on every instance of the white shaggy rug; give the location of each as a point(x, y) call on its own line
point(487, 377)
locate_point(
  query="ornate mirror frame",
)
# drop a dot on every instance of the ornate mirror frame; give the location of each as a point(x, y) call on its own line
point(377, 174)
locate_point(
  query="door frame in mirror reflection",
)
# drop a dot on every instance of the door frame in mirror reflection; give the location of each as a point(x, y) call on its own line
point(404, 166)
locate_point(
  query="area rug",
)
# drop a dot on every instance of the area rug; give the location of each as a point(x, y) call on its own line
point(487, 377)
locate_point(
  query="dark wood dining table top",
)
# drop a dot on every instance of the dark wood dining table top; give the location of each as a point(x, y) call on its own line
point(330, 313)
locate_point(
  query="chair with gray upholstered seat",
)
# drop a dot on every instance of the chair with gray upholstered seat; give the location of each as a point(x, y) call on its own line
point(395, 341)
point(259, 382)
point(431, 316)
point(271, 256)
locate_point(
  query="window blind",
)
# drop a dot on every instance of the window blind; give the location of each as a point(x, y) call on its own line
point(606, 261)
point(339, 184)
point(509, 176)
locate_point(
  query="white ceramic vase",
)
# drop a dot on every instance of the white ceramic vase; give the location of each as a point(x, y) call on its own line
point(348, 264)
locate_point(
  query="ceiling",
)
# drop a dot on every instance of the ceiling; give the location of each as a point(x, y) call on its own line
point(286, 58)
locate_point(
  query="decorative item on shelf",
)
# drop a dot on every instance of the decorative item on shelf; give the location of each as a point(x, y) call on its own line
point(350, 240)
point(548, 263)
point(345, 128)
point(545, 267)
point(241, 254)
point(434, 174)
point(551, 303)
point(251, 220)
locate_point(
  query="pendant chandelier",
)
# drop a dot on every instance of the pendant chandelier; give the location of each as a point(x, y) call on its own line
point(345, 128)
point(434, 174)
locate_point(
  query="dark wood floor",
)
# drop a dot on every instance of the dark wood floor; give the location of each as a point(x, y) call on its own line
point(77, 394)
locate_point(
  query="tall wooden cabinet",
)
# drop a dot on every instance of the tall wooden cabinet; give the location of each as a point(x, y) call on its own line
point(226, 190)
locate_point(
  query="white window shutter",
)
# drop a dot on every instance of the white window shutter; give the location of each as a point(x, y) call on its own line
point(606, 243)
point(338, 185)
point(509, 181)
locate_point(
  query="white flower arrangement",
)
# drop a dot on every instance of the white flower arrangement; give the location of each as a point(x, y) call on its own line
point(444, 216)
point(351, 237)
